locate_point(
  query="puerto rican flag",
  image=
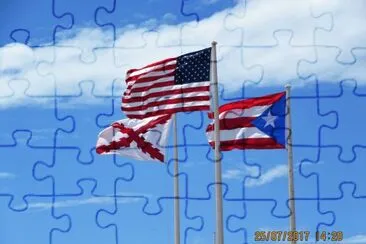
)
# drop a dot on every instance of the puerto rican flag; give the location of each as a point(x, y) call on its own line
point(255, 123)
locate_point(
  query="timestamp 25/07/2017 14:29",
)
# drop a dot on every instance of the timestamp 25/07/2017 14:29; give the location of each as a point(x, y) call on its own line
point(297, 236)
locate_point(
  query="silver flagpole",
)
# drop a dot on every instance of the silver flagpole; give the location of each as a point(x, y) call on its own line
point(291, 190)
point(176, 185)
point(218, 180)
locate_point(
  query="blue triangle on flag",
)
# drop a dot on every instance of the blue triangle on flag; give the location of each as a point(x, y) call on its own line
point(272, 121)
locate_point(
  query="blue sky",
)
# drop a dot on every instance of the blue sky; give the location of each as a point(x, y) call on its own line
point(62, 67)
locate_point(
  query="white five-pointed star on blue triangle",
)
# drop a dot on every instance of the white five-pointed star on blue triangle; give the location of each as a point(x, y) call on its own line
point(270, 119)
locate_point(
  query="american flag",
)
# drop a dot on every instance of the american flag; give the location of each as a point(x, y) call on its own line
point(169, 86)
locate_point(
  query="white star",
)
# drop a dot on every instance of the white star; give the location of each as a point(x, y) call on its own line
point(270, 119)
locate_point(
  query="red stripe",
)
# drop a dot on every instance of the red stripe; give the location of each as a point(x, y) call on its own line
point(168, 111)
point(146, 88)
point(248, 143)
point(166, 102)
point(165, 93)
point(169, 71)
point(230, 124)
point(157, 80)
point(251, 102)
point(152, 64)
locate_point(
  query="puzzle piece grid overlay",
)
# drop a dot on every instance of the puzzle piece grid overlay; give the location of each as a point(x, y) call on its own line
point(79, 196)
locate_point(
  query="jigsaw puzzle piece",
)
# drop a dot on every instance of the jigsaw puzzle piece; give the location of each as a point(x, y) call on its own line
point(257, 216)
point(258, 21)
point(272, 58)
point(242, 219)
point(137, 187)
point(204, 210)
point(83, 34)
point(66, 171)
point(263, 177)
point(20, 62)
point(20, 25)
point(195, 183)
point(201, 10)
point(18, 160)
point(200, 34)
point(119, 18)
point(344, 16)
point(328, 161)
point(326, 60)
point(85, 124)
point(101, 72)
point(36, 115)
point(232, 58)
point(133, 45)
point(348, 208)
point(187, 222)
point(306, 109)
point(82, 208)
point(12, 59)
point(107, 118)
point(235, 168)
point(196, 156)
point(342, 103)
point(19, 227)
point(127, 220)
point(191, 122)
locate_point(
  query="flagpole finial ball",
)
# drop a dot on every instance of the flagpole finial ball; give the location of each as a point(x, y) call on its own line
point(288, 85)
point(214, 43)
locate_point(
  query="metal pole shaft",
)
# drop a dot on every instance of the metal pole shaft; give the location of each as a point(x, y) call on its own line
point(218, 175)
point(176, 185)
point(291, 190)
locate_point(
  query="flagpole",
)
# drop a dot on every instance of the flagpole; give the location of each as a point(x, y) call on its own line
point(219, 208)
point(291, 189)
point(176, 185)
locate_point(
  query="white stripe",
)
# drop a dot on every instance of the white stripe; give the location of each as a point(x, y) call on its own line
point(153, 74)
point(169, 106)
point(254, 111)
point(166, 97)
point(148, 69)
point(239, 133)
point(168, 88)
point(145, 84)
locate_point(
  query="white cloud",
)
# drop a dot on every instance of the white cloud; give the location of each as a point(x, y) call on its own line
point(240, 173)
point(355, 239)
point(75, 58)
point(267, 177)
point(233, 174)
point(6, 175)
point(150, 23)
point(278, 171)
point(74, 203)
point(169, 17)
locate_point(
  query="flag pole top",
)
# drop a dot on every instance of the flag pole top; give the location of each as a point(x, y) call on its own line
point(288, 86)
point(214, 43)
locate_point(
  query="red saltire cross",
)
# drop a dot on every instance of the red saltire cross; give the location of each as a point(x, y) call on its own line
point(145, 146)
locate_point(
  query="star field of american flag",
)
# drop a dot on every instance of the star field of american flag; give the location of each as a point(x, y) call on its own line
point(193, 67)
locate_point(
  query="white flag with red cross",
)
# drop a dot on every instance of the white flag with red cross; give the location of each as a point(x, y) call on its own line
point(141, 139)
